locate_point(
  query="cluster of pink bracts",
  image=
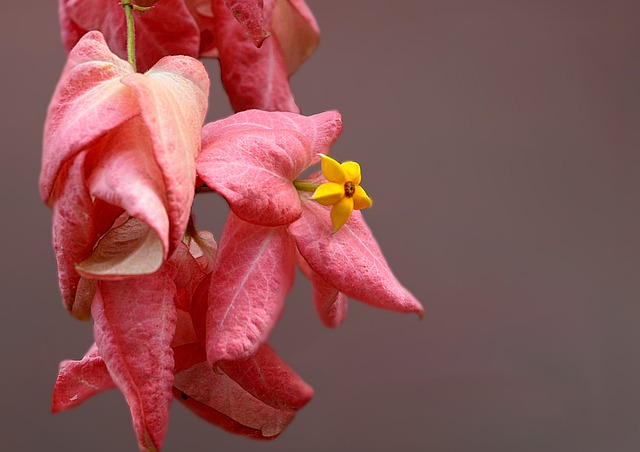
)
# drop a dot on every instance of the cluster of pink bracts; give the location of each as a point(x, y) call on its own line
point(176, 315)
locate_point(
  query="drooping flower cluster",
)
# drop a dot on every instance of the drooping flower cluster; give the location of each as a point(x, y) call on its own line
point(175, 314)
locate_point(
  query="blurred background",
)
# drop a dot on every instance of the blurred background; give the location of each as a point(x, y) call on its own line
point(500, 142)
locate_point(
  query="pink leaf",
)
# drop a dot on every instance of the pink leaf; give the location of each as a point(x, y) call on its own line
point(252, 17)
point(297, 32)
point(203, 15)
point(73, 236)
point(223, 402)
point(167, 29)
point(252, 157)
point(350, 259)
point(268, 378)
point(135, 321)
point(329, 303)
point(123, 172)
point(254, 272)
point(88, 102)
point(79, 380)
point(321, 130)
point(254, 172)
point(173, 97)
point(252, 77)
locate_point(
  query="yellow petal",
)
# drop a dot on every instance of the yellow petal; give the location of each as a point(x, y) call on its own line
point(352, 172)
point(332, 170)
point(328, 194)
point(341, 212)
point(360, 199)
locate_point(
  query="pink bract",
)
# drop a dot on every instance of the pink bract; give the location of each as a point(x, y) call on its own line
point(116, 145)
point(252, 159)
point(138, 351)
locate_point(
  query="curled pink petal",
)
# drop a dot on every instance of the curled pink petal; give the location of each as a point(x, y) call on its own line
point(88, 102)
point(174, 126)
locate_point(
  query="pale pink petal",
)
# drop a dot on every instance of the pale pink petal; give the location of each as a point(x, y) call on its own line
point(135, 321)
point(252, 17)
point(252, 77)
point(130, 249)
point(297, 32)
point(88, 102)
point(350, 259)
point(268, 378)
point(124, 173)
point(253, 273)
point(321, 130)
point(173, 97)
point(254, 171)
point(220, 400)
point(79, 380)
point(167, 29)
point(330, 304)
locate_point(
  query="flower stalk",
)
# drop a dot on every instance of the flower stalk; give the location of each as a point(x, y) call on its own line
point(131, 30)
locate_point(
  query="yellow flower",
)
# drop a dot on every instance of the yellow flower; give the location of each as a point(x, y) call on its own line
point(343, 191)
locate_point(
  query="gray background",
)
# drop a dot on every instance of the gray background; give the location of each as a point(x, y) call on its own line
point(499, 140)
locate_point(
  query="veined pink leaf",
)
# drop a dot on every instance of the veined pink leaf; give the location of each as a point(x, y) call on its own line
point(73, 236)
point(135, 321)
point(268, 378)
point(253, 273)
point(173, 98)
point(133, 248)
point(254, 172)
point(79, 380)
point(167, 29)
point(297, 32)
point(252, 77)
point(321, 130)
point(330, 304)
point(223, 402)
point(350, 259)
point(88, 102)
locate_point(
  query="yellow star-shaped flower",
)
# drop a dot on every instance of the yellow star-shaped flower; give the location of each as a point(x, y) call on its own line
point(343, 191)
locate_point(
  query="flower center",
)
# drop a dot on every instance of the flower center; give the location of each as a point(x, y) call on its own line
point(349, 189)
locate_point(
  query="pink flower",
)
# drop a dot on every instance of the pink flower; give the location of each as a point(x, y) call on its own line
point(252, 159)
point(118, 165)
point(148, 344)
point(259, 43)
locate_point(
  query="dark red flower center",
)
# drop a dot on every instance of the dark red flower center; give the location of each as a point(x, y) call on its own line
point(349, 189)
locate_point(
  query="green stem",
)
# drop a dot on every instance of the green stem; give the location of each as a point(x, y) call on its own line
point(131, 33)
point(305, 186)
